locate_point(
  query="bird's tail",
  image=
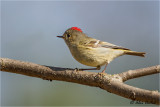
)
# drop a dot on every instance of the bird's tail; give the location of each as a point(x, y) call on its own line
point(128, 52)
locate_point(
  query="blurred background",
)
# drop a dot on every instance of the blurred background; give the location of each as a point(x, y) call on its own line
point(28, 33)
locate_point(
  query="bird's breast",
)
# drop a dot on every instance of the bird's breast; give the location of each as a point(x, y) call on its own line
point(93, 56)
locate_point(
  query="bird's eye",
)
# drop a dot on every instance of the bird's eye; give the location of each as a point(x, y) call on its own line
point(68, 35)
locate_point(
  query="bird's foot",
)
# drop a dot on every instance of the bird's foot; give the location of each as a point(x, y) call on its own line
point(77, 69)
point(102, 73)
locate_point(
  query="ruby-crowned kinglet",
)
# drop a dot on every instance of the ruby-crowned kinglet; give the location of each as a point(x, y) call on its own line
point(93, 52)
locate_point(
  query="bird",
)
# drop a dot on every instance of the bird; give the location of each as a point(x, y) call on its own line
point(92, 52)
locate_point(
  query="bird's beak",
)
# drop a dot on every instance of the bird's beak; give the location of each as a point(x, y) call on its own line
point(60, 37)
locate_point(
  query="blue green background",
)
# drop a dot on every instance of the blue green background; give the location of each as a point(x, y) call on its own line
point(28, 33)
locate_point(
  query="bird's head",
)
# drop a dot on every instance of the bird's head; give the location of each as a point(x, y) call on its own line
point(73, 36)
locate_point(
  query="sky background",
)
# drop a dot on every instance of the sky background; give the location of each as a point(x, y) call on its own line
point(28, 33)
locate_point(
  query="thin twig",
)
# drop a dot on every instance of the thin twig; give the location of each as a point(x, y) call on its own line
point(139, 72)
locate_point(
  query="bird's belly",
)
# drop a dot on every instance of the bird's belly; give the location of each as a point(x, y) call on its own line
point(94, 56)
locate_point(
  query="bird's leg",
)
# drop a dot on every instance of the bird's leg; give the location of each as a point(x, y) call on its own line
point(105, 68)
point(97, 68)
point(103, 72)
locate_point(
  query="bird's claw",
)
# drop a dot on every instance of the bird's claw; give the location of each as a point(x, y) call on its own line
point(76, 69)
point(102, 73)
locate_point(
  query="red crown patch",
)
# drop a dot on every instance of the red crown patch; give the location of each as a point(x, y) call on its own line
point(76, 28)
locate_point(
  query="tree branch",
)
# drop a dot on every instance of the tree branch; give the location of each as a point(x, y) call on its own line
point(110, 83)
point(139, 72)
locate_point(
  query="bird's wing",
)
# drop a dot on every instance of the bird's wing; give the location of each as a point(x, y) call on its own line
point(109, 45)
point(97, 43)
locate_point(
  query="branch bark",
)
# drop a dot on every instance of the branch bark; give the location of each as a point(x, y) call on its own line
point(139, 72)
point(111, 83)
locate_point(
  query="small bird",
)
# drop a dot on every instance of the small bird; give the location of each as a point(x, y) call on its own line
point(93, 52)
